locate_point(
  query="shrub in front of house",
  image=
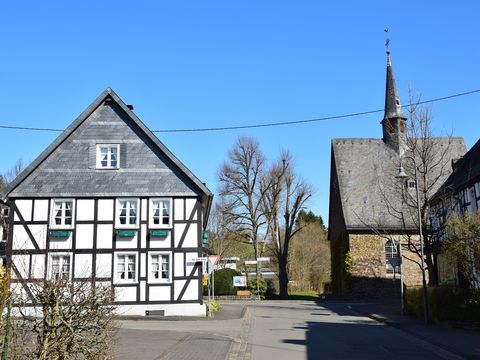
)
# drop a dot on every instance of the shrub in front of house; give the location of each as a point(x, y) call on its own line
point(224, 282)
point(445, 303)
point(262, 286)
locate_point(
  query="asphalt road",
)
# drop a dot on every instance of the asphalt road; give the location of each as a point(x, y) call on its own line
point(273, 330)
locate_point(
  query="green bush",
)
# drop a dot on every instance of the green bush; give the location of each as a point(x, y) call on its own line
point(262, 286)
point(224, 282)
point(445, 303)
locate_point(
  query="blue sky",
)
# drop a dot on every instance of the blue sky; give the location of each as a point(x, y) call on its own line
point(189, 64)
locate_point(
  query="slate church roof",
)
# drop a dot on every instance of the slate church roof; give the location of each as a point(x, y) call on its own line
point(365, 192)
point(67, 167)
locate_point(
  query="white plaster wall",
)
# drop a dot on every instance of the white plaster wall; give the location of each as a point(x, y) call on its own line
point(127, 242)
point(105, 209)
point(38, 266)
point(143, 237)
point(84, 236)
point(104, 236)
point(190, 263)
point(179, 206)
point(191, 237)
point(25, 208)
point(179, 269)
point(170, 309)
point(161, 241)
point(192, 291)
point(178, 233)
point(143, 261)
point(22, 263)
point(40, 211)
point(144, 210)
point(126, 293)
point(85, 209)
point(190, 203)
point(159, 293)
point(143, 285)
point(177, 288)
point(21, 240)
point(103, 266)
point(83, 265)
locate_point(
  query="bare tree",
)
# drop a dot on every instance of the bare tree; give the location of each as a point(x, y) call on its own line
point(286, 194)
point(430, 159)
point(70, 320)
point(240, 187)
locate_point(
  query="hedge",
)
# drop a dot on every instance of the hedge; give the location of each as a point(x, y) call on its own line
point(445, 303)
point(224, 282)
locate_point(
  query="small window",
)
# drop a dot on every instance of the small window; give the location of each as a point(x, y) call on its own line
point(62, 214)
point(108, 156)
point(60, 267)
point(392, 257)
point(160, 213)
point(126, 268)
point(127, 213)
point(160, 267)
point(411, 184)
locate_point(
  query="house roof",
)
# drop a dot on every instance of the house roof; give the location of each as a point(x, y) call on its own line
point(466, 171)
point(368, 188)
point(152, 169)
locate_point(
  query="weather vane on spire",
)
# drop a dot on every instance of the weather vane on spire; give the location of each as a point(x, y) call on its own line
point(387, 41)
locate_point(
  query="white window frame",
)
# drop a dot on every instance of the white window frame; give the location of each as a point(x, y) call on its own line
point(109, 155)
point(116, 278)
point(151, 278)
point(118, 225)
point(61, 255)
point(53, 225)
point(150, 217)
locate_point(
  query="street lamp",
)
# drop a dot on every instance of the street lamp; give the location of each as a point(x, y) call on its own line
point(403, 175)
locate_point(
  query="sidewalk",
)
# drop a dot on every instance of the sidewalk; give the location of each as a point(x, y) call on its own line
point(465, 343)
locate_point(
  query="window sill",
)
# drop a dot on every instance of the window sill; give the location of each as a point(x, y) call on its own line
point(125, 282)
point(159, 282)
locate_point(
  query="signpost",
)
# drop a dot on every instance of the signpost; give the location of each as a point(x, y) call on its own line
point(239, 281)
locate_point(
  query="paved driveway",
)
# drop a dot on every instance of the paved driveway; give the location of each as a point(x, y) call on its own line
point(273, 330)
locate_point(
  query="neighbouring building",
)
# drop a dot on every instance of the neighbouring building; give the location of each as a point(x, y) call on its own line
point(459, 194)
point(366, 203)
point(107, 201)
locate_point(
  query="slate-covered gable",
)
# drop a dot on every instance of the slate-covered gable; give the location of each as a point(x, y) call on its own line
point(69, 169)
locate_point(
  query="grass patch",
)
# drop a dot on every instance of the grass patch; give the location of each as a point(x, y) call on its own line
point(304, 295)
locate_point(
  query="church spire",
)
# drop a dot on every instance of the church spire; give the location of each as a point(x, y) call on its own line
point(394, 122)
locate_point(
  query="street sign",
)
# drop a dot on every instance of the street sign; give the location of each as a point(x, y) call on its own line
point(251, 262)
point(198, 259)
point(263, 259)
point(213, 259)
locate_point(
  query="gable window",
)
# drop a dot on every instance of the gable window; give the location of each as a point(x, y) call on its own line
point(127, 213)
point(60, 266)
point(160, 213)
point(126, 268)
point(62, 214)
point(159, 267)
point(108, 156)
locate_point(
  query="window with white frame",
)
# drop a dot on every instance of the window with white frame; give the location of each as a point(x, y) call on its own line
point(127, 213)
point(126, 268)
point(62, 214)
point(108, 156)
point(160, 267)
point(392, 257)
point(60, 266)
point(160, 213)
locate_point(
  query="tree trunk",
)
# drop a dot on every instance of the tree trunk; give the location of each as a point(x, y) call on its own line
point(283, 277)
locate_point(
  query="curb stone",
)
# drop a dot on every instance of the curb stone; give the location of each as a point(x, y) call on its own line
point(241, 348)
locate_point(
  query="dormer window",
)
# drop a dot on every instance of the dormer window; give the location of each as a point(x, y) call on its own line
point(108, 156)
point(411, 185)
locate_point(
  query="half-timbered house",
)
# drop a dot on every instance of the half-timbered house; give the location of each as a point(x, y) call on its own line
point(107, 201)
